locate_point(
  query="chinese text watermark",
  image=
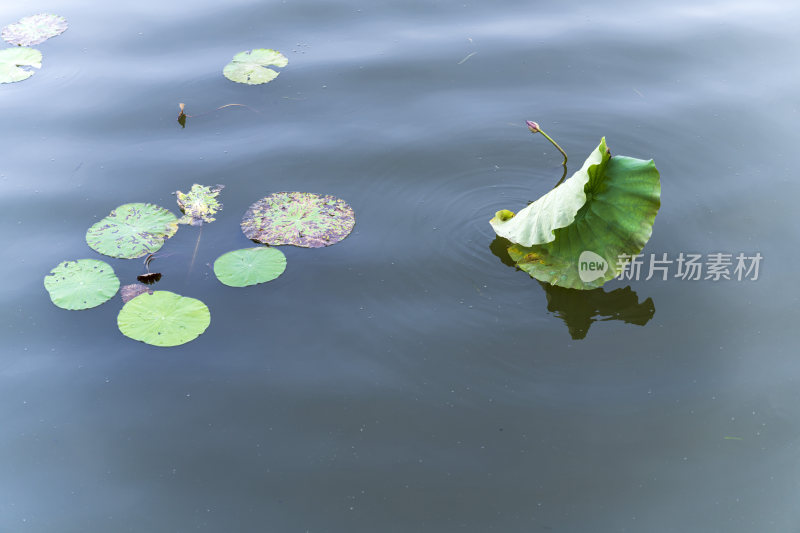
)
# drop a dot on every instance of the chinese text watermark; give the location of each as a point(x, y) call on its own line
point(686, 266)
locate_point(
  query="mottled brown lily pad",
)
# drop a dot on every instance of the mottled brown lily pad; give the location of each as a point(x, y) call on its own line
point(129, 292)
point(298, 218)
point(35, 29)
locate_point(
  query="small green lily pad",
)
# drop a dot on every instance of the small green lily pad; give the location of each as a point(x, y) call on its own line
point(13, 59)
point(250, 67)
point(163, 318)
point(199, 204)
point(298, 218)
point(35, 29)
point(132, 230)
point(81, 284)
point(249, 266)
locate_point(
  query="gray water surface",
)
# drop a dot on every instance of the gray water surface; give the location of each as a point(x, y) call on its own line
point(405, 379)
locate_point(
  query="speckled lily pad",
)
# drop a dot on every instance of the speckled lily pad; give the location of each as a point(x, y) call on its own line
point(131, 291)
point(132, 230)
point(298, 218)
point(35, 29)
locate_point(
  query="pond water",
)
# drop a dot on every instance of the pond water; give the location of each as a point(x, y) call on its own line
point(405, 379)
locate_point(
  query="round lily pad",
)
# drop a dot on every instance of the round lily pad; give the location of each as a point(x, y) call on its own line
point(250, 67)
point(13, 59)
point(132, 230)
point(250, 266)
point(163, 318)
point(35, 29)
point(298, 218)
point(81, 284)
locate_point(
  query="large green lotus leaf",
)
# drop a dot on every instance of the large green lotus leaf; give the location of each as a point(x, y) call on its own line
point(619, 198)
point(199, 204)
point(250, 266)
point(298, 218)
point(132, 230)
point(556, 209)
point(34, 29)
point(163, 318)
point(250, 67)
point(11, 59)
point(81, 284)
point(622, 197)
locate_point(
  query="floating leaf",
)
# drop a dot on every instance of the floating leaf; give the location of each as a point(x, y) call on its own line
point(199, 204)
point(298, 218)
point(11, 59)
point(35, 29)
point(580, 309)
point(251, 67)
point(132, 230)
point(163, 318)
point(81, 284)
point(607, 208)
point(129, 292)
point(250, 266)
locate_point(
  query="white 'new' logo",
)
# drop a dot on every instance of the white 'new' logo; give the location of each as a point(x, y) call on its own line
point(591, 266)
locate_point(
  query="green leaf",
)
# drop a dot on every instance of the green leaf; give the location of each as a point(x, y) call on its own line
point(298, 218)
point(163, 318)
point(132, 230)
point(607, 208)
point(250, 67)
point(11, 59)
point(250, 266)
point(35, 29)
point(199, 204)
point(81, 284)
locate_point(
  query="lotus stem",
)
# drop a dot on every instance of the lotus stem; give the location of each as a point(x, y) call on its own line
point(534, 127)
point(194, 255)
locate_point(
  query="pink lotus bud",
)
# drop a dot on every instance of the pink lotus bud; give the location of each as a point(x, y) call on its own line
point(534, 127)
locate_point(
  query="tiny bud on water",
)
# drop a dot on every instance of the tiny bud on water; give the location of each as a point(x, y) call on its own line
point(534, 127)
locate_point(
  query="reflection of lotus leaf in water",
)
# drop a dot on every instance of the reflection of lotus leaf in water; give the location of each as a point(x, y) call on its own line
point(34, 29)
point(250, 67)
point(132, 230)
point(163, 318)
point(607, 207)
point(81, 284)
point(199, 205)
point(580, 308)
point(298, 218)
point(250, 266)
point(13, 59)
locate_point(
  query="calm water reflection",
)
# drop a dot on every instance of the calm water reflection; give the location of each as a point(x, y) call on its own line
point(405, 379)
